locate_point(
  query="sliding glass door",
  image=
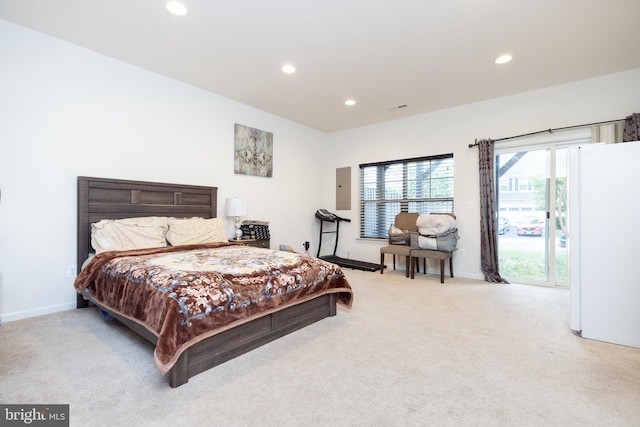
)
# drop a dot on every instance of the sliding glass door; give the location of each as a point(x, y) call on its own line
point(531, 206)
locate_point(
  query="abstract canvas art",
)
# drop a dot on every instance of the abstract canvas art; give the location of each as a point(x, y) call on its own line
point(253, 154)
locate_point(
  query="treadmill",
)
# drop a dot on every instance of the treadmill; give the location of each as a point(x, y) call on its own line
point(325, 216)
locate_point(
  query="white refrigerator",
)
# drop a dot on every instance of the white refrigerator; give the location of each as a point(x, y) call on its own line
point(604, 242)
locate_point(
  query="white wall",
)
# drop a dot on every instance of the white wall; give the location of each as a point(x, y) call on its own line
point(614, 96)
point(66, 111)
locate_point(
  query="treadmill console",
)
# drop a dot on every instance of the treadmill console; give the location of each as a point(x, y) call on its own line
point(325, 215)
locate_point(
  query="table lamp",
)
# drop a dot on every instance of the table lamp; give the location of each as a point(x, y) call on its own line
point(236, 207)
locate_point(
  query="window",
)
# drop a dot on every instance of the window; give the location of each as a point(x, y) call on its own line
point(423, 185)
point(515, 184)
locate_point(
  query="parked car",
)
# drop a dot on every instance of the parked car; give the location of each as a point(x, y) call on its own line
point(503, 225)
point(530, 226)
point(563, 241)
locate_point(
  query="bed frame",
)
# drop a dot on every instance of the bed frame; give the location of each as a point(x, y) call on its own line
point(100, 198)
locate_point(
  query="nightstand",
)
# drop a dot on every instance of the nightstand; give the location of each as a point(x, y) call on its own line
point(257, 243)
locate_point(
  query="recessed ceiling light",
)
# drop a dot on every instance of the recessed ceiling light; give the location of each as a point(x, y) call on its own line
point(350, 102)
point(288, 68)
point(177, 8)
point(503, 59)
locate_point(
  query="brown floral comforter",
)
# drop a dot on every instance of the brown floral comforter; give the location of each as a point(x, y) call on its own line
point(184, 294)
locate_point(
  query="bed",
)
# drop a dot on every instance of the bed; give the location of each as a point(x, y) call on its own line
point(252, 296)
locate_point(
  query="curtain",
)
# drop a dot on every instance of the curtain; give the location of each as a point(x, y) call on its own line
point(631, 130)
point(609, 133)
point(488, 232)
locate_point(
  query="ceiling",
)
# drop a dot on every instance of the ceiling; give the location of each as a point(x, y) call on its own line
point(425, 54)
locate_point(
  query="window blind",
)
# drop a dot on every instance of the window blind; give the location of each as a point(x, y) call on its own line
point(423, 185)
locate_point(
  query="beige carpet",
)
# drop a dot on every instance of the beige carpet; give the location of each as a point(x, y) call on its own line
point(409, 353)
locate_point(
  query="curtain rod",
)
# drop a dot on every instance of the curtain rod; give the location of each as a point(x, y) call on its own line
point(549, 130)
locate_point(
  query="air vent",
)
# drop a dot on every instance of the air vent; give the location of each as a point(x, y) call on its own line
point(397, 107)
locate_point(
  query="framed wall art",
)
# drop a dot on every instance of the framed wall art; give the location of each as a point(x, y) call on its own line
point(253, 151)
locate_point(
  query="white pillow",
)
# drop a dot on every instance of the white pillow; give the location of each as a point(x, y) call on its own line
point(129, 233)
point(189, 231)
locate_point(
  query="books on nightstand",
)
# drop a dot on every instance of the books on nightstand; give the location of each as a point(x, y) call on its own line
point(254, 229)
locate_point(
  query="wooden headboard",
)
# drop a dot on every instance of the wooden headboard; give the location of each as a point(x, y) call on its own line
point(101, 198)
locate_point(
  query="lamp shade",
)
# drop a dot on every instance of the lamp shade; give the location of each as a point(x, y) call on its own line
point(236, 207)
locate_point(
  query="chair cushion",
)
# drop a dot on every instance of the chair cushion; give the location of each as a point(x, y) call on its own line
point(426, 253)
point(396, 250)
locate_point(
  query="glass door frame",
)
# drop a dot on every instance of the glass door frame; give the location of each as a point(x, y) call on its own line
point(551, 143)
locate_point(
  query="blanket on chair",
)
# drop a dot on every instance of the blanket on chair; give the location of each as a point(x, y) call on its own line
point(432, 225)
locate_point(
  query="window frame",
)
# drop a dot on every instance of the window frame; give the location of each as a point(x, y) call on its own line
point(378, 210)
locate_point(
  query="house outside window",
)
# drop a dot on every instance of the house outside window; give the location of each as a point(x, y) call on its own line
point(423, 185)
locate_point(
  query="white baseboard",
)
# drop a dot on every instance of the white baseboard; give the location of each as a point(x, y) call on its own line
point(468, 276)
point(25, 314)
